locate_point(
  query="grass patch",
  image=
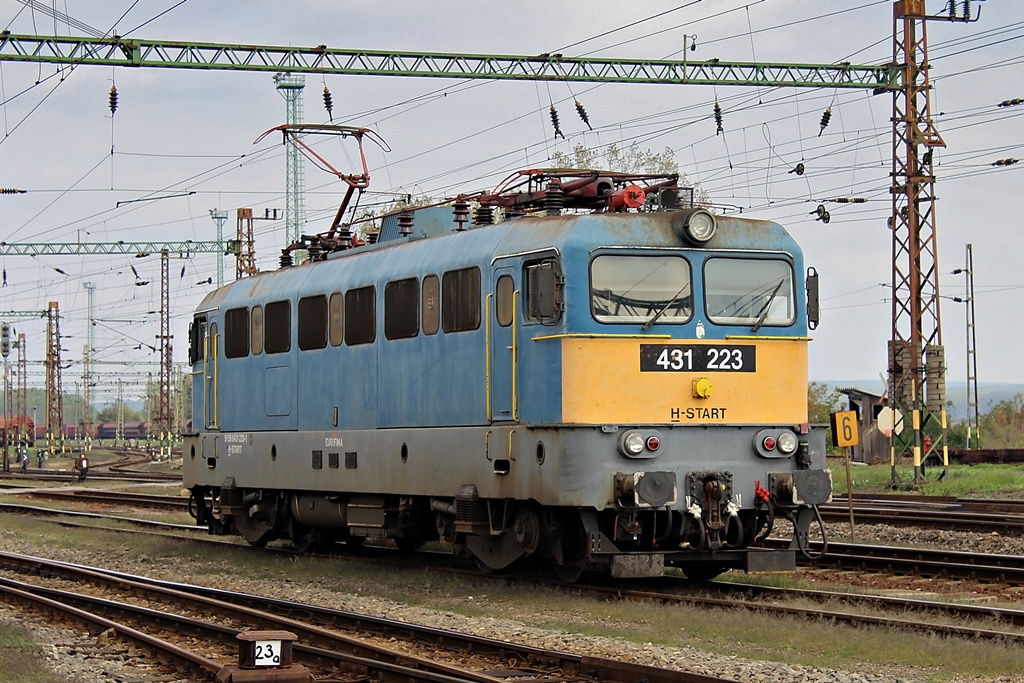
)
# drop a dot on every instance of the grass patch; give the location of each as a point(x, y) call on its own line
point(21, 660)
point(960, 481)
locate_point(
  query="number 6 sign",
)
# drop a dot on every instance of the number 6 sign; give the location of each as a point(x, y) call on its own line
point(844, 429)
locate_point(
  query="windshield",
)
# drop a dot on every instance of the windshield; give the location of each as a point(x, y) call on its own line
point(741, 291)
point(633, 289)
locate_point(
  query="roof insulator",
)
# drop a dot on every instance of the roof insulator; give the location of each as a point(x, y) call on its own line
point(554, 122)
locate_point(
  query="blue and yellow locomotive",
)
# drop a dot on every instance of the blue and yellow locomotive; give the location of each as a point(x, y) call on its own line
point(609, 378)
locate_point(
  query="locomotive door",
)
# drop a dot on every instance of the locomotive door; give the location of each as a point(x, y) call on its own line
point(210, 343)
point(503, 321)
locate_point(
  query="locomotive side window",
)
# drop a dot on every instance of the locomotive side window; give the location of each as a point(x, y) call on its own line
point(745, 291)
point(335, 325)
point(504, 300)
point(277, 330)
point(401, 309)
point(197, 340)
point(256, 324)
point(236, 333)
point(543, 291)
point(635, 289)
point(360, 316)
point(460, 300)
point(431, 304)
point(312, 322)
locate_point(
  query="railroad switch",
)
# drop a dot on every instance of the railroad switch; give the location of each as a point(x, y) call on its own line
point(264, 657)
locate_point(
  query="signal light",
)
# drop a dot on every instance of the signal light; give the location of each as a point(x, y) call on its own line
point(5, 340)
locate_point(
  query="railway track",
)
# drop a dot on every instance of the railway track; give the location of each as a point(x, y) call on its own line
point(955, 514)
point(946, 618)
point(330, 641)
point(935, 563)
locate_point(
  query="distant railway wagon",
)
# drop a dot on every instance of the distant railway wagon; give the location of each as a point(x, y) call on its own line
point(22, 429)
point(607, 379)
point(133, 429)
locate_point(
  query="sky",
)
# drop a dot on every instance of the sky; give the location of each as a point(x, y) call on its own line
point(187, 136)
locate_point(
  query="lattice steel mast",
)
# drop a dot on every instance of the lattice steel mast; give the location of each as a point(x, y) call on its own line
point(164, 418)
point(290, 86)
point(54, 386)
point(87, 428)
point(22, 392)
point(917, 365)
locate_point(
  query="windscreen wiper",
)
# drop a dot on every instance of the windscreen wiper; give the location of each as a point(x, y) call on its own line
point(654, 318)
point(763, 313)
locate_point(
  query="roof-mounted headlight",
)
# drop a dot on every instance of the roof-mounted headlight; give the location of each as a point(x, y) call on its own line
point(698, 226)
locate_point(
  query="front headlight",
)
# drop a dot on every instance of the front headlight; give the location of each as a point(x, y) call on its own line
point(633, 444)
point(787, 442)
point(699, 226)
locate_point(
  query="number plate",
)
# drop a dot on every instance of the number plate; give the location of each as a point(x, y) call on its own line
point(697, 358)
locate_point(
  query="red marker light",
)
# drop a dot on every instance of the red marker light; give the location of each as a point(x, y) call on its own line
point(653, 443)
point(769, 443)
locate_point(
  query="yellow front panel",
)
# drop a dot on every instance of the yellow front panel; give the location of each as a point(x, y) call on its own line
point(602, 383)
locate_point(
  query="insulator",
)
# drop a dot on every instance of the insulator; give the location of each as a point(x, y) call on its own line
point(718, 118)
point(329, 103)
point(316, 253)
point(1005, 162)
point(483, 215)
point(798, 169)
point(113, 99)
point(821, 214)
point(286, 258)
point(461, 211)
point(405, 221)
point(345, 237)
point(583, 114)
point(951, 8)
point(967, 10)
point(825, 118)
point(926, 159)
point(11, 190)
point(849, 200)
point(554, 122)
point(554, 198)
point(1011, 103)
